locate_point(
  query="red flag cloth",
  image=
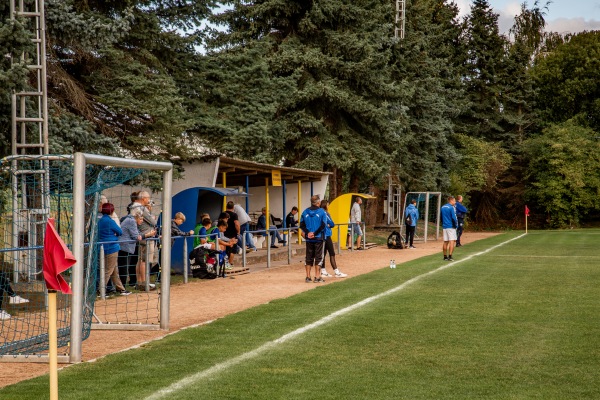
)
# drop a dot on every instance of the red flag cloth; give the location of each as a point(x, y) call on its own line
point(526, 211)
point(57, 258)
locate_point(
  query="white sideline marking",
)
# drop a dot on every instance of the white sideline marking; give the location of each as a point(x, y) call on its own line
point(530, 256)
point(212, 371)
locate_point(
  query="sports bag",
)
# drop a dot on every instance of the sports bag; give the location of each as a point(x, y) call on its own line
point(202, 263)
point(394, 241)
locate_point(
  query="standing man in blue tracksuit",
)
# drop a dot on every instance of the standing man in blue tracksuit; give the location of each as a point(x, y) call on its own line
point(411, 224)
point(313, 223)
point(449, 225)
point(461, 213)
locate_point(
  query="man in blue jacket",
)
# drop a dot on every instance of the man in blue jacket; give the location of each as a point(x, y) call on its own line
point(313, 223)
point(461, 213)
point(411, 215)
point(449, 225)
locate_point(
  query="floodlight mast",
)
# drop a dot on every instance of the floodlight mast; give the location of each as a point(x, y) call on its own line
point(400, 19)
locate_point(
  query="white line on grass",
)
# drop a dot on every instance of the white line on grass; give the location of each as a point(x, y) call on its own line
point(531, 256)
point(215, 369)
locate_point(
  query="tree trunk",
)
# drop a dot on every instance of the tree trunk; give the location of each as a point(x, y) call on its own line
point(374, 212)
point(354, 181)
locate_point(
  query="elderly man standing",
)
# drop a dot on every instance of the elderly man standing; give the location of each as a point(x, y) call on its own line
point(313, 223)
point(355, 219)
point(147, 229)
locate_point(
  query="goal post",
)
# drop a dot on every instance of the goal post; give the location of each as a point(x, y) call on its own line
point(81, 160)
point(74, 186)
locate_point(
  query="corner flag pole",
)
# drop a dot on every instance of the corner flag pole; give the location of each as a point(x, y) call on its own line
point(526, 216)
point(53, 345)
point(57, 258)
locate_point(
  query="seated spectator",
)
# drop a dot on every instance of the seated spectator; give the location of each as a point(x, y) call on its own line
point(233, 230)
point(175, 231)
point(205, 230)
point(225, 244)
point(13, 298)
point(262, 226)
point(290, 219)
point(224, 215)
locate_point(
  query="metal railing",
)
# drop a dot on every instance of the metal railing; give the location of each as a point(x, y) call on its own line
point(261, 232)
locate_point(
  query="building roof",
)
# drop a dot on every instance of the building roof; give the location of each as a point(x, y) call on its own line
point(237, 170)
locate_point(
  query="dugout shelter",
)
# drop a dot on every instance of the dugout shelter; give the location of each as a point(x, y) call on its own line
point(208, 184)
point(339, 209)
point(193, 202)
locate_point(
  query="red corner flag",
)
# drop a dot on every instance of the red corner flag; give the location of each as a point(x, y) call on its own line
point(57, 258)
point(526, 211)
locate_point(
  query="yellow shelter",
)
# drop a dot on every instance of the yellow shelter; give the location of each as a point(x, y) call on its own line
point(339, 209)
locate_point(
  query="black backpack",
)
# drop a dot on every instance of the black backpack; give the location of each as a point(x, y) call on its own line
point(203, 264)
point(395, 241)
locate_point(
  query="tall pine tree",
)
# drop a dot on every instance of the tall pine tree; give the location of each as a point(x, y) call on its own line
point(484, 68)
point(340, 113)
point(427, 63)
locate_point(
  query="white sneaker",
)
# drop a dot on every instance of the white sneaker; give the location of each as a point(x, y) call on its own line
point(340, 274)
point(4, 315)
point(152, 286)
point(16, 299)
point(324, 272)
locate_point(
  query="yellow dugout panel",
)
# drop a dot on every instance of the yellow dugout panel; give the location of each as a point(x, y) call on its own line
point(339, 209)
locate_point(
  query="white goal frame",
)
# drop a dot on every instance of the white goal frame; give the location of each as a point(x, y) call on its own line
point(80, 161)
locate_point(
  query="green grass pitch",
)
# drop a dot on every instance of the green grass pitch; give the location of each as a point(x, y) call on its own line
point(521, 321)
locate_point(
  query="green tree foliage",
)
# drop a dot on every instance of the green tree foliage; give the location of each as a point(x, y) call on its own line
point(484, 67)
point(240, 100)
point(479, 172)
point(114, 76)
point(518, 94)
point(568, 79)
point(339, 112)
point(116, 66)
point(519, 114)
point(563, 173)
point(427, 62)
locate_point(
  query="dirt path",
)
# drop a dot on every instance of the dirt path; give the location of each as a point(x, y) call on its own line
point(189, 308)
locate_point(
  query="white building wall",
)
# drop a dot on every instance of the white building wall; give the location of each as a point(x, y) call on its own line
point(257, 199)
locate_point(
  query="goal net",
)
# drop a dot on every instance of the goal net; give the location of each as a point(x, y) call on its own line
point(70, 189)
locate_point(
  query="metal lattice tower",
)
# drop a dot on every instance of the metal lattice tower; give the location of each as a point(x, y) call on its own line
point(400, 19)
point(30, 185)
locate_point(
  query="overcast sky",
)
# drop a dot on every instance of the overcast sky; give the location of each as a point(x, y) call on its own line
point(562, 15)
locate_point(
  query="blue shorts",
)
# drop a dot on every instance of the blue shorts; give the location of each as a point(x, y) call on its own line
point(357, 230)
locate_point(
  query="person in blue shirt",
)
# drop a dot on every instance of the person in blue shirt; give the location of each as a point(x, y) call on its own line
point(108, 235)
point(461, 213)
point(328, 245)
point(313, 224)
point(449, 225)
point(411, 224)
